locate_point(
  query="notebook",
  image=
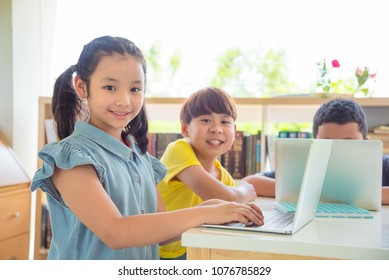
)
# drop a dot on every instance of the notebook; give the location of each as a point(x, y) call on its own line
point(308, 198)
point(329, 210)
point(354, 172)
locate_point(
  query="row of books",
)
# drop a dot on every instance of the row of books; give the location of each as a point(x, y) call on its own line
point(159, 141)
point(244, 157)
point(294, 134)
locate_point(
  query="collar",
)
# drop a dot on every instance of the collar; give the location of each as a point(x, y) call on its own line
point(106, 141)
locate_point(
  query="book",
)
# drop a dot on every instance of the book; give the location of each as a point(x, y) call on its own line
point(382, 129)
point(378, 136)
point(253, 154)
point(257, 153)
point(237, 155)
point(159, 141)
point(50, 131)
point(270, 156)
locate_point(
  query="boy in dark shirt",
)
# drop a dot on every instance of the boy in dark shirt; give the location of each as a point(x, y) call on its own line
point(335, 119)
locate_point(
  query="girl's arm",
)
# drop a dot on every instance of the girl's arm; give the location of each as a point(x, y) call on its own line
point(85, 196)
point(208, 187)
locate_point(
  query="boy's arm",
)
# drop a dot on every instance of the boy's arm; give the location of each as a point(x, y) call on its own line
point(208, 187)
point(264, 186)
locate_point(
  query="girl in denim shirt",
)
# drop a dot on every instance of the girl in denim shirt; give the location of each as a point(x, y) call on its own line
point(100, 180)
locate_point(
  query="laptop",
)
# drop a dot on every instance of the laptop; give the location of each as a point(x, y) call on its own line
point(308, 198)
point(354, 172)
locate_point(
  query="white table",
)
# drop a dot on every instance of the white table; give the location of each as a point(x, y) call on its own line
point(322, 238)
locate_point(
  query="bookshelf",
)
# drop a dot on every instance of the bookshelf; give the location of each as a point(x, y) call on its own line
point(265, 111)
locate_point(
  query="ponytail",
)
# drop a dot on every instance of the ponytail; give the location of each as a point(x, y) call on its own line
point(66, 104)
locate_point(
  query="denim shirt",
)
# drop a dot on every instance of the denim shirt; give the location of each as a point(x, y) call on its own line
point(128, 177)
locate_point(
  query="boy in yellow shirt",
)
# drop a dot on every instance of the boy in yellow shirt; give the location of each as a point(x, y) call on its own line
point(194, 172)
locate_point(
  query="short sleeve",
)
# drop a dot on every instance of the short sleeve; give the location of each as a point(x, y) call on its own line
point(269, 174)
point(178, 156)
point(64, 156)
point(158, 168)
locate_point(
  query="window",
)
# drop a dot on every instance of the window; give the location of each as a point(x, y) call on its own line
point(251, 48)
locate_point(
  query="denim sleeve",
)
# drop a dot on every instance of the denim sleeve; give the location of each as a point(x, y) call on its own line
point(159, 169)
point(63, 156)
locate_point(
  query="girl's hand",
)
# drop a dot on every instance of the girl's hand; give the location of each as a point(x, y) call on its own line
point(227, 212)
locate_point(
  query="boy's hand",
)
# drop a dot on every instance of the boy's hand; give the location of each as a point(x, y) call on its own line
point(248, 189)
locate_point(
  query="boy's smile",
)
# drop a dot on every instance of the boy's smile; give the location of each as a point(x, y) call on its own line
point(210, 135)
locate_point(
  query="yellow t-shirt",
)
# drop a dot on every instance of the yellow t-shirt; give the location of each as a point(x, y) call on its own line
point(175, 194)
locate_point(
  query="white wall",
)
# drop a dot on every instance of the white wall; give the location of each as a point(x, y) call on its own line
point(33, 23)
point(26, 71)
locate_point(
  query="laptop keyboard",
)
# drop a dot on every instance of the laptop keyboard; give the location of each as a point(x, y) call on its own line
point(339, 210)
point(276, 220)
point(273, 220)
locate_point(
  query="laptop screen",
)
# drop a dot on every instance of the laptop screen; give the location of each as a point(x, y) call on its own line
point(354, 171)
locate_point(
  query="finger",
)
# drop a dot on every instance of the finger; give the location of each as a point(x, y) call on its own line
point(255, 211)
point(242, 219)
point(256, 208)
point(248, 216)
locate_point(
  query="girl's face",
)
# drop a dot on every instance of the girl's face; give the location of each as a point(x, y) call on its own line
point(116, 93)
point(210, 135)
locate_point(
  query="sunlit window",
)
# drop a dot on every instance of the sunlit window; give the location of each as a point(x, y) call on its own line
point(251, 48)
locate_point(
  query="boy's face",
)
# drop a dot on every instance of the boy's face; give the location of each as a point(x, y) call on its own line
point(210, 135)
point(339, 131)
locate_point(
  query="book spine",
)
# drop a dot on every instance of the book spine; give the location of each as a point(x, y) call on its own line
point(237, 153)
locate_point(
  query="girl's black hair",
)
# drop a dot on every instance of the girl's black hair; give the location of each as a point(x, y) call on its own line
point(67, 106)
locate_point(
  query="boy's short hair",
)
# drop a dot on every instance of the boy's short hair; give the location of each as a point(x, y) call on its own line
point(340, 111)
point(207, 101)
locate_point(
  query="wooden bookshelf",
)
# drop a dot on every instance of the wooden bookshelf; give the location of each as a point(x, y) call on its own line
point(265, 111)
point(44, 113)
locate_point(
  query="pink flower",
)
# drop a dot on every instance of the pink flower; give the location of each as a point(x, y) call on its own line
point(359, 71)
point(335, 63)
